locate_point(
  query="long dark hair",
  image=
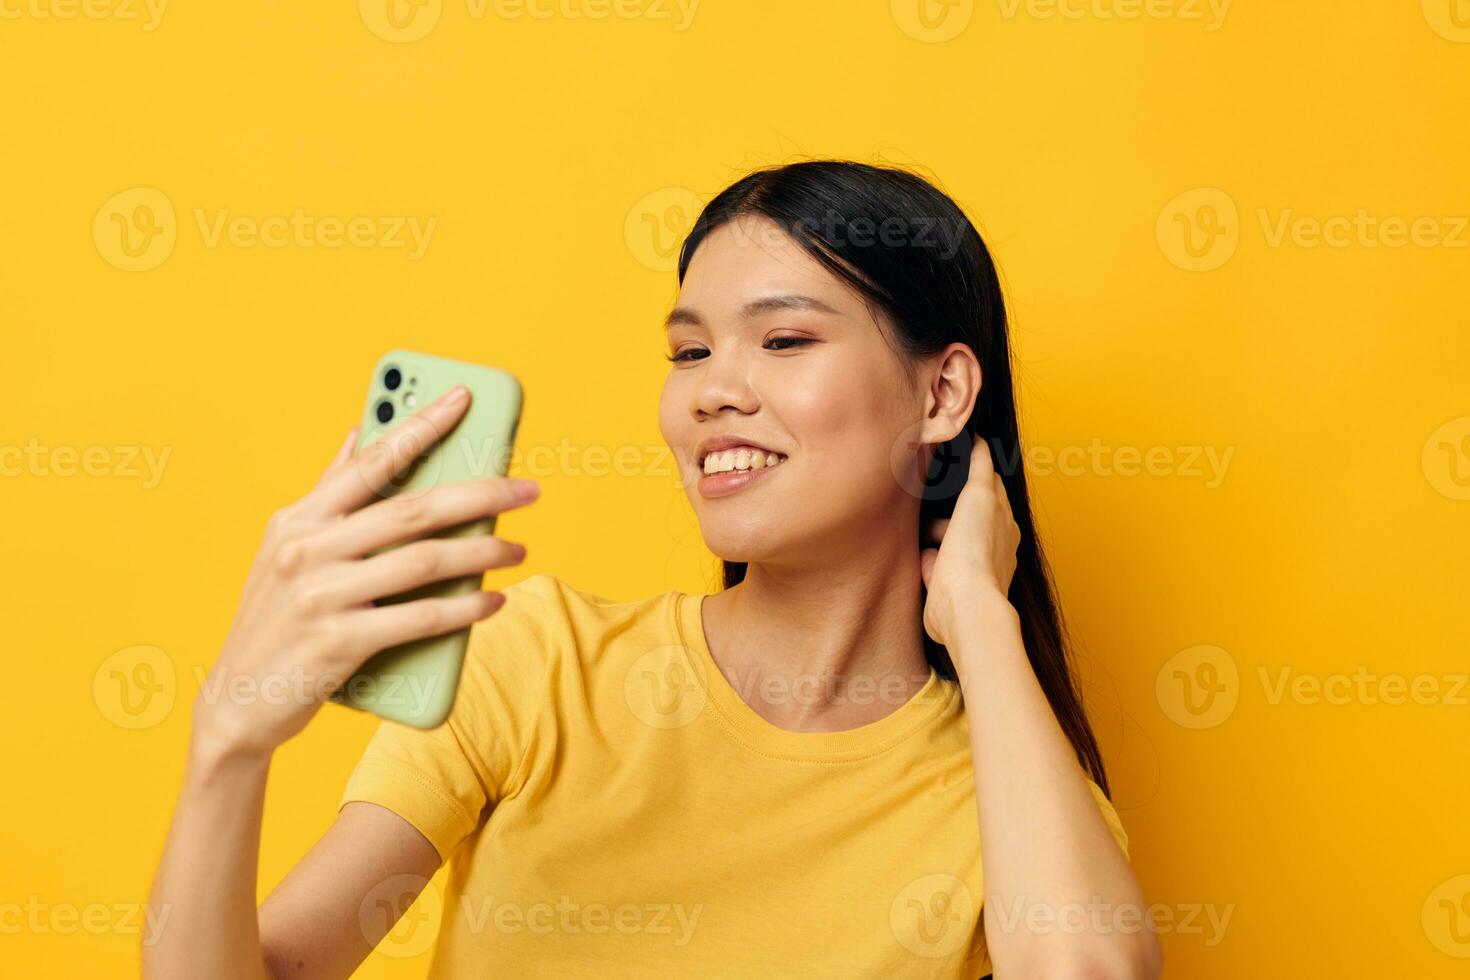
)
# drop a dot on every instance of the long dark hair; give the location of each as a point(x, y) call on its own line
point(910, 250)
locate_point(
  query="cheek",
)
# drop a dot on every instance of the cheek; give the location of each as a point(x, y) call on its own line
point(843, 418)
point(668, 412)
point(679, 430)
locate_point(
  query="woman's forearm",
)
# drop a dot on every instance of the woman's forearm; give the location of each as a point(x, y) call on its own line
point(1060, 898)
point(206, 879)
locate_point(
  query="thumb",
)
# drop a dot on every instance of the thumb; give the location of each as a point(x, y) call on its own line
point(927, 558)
point(345, 453)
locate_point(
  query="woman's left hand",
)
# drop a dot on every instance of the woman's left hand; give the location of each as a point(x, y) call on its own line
point(974, 556)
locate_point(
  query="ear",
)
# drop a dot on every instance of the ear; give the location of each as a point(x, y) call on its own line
point(952, 384)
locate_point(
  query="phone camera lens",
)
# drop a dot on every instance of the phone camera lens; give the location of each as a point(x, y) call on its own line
point(385, 411)
point(392, 379)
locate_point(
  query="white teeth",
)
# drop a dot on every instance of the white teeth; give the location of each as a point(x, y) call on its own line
point(740, 459)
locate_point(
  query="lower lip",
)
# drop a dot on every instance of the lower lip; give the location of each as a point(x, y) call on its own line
point(724, 484)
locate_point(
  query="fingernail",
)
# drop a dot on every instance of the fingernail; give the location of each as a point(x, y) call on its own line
point(525, 489)
point(456, 395)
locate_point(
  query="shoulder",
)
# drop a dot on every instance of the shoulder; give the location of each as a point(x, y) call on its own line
point(554, 596)
point(566, 620)
point(536, 665)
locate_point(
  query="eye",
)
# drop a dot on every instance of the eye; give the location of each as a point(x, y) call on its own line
point(699, 353)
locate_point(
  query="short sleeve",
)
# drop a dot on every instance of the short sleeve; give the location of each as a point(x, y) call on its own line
point(441, 780)
point(1110, 815)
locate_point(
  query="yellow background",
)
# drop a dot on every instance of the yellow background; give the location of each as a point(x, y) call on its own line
point(548, 150)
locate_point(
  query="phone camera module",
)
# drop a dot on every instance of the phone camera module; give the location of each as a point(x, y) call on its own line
point(392, 378)
point(385, 411)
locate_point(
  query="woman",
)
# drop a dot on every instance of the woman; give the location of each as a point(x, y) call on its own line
point(795, 776)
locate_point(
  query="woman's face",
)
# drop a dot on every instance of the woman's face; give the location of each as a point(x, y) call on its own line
point(774, 351)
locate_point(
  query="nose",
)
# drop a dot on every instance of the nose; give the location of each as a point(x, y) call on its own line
point(724, 382)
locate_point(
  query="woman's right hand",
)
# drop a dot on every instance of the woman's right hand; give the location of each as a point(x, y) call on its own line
point(307, 620)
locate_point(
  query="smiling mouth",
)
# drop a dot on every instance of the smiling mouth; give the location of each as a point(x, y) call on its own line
point(740, 460)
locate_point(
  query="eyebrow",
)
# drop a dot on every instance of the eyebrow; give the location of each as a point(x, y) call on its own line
point(766, 304)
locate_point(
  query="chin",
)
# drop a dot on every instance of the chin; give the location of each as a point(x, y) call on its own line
point(732, 545)
point(757, 537)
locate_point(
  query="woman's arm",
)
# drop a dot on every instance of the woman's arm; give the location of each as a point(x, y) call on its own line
point(306, 623)
point(206, 879)
point(334, 906)
point(312, 924)
point(1060, 899)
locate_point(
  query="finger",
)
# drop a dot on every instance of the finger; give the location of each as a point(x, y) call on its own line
point(345, 453)
point(381, 627)
point(1003, 498)
point(401, 518)
point(375, 467)
point(927, 558)
point(980, 458)
point(419, 563)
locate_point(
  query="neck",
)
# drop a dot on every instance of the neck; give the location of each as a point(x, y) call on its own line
point(826, 645)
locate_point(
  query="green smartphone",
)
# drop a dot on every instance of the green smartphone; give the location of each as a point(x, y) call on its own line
point(415, 683)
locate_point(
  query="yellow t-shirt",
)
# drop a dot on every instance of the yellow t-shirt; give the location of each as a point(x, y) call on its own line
point(614, 808)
